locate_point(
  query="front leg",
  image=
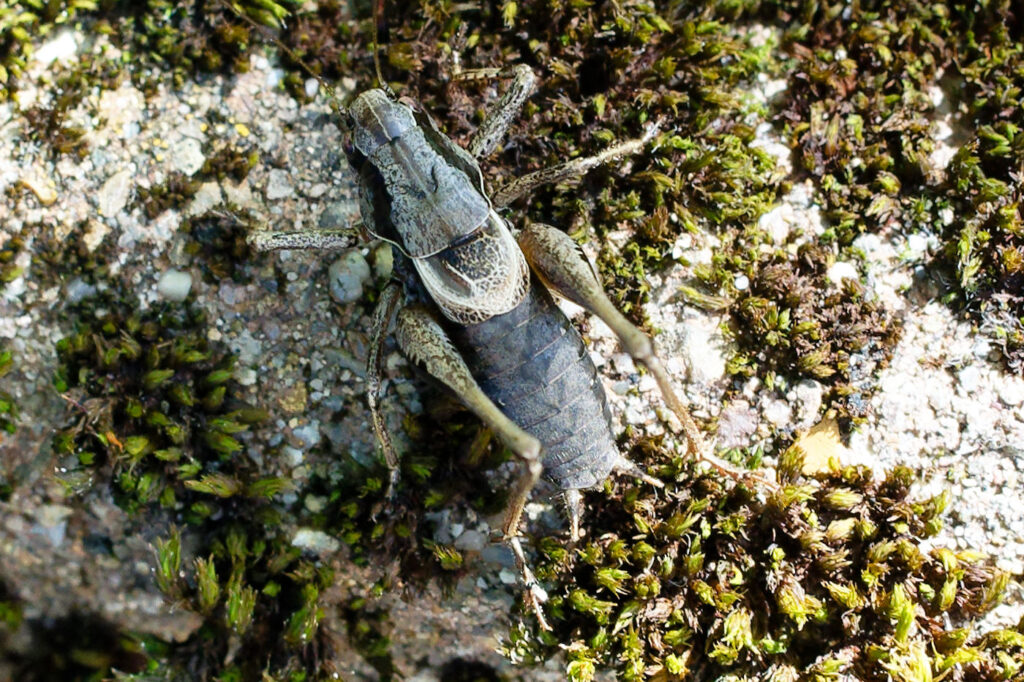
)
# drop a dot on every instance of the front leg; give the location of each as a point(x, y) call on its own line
point(501, 115)
point(309, 240)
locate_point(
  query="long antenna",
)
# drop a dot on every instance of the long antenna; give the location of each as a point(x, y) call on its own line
point(334, 104)
point(376, 51)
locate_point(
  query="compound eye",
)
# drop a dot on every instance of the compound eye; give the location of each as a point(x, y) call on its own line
point(354, 156)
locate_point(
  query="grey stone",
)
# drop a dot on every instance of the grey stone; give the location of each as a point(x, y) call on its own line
point(736, 424)
point(78, 290)
point(188, 156)
point(471, 541)
point(347, 276)
point(279, 185)
point(315, 541)
point(337, 216)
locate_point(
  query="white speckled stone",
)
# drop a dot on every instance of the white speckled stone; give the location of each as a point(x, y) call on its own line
point(315, 541)
point(188, 156)
point(279, 185)
point(114, 194)
point(174, 285)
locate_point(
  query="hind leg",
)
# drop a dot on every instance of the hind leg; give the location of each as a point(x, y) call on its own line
point(558, 260)
point(423, 339)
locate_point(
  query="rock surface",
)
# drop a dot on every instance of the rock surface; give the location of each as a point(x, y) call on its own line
point(943, 405)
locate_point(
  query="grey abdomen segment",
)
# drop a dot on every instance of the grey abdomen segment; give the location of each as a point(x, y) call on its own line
point(532, 362)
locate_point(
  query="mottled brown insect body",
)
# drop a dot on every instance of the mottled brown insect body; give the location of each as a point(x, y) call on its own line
point(532, 363)
point(478, 314)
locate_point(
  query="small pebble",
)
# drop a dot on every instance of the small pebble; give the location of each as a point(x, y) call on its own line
point(61, 48)
point(246, 376)
point(841, 271)
point(383, 261)
point(114, 194)
point(315, 541)
point(315, 503)
point(188, 156)
point(969, 378)
point(41, 185)
point(347, 276)
point(1011, 391)
point(208, 196)
point(94, 234)
point(471, 541)
point(293, 456)
point(308, 434)
point(737, 423)
point(279, 185)
point(777, 412)
point(337, 216)
point(174, 285)
point(808, 396)
point(78, 290)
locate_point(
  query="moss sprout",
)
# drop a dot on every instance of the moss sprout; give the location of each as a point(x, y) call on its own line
point(715, 581)
point(156, 419)
point(8, 408)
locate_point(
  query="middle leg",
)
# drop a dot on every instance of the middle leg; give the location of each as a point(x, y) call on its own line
point(382, 316)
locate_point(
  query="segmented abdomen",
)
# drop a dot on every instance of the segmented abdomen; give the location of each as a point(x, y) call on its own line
point(532, 362)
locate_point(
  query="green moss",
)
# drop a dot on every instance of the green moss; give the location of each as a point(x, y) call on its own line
point(860, 113)
point(8, 408)
point(9, 268)
point(365, 625)
point(23, 25)
point(713, 577)
point(793, 322)
point(218, 240)
point(77, 646)
point(449, 463)
point(229, 160)
point(695, 565)
point(176, 192)
point(182, 38)
point(153, 409)
point(48, 122)
point(986, 235)
point(157, 421)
